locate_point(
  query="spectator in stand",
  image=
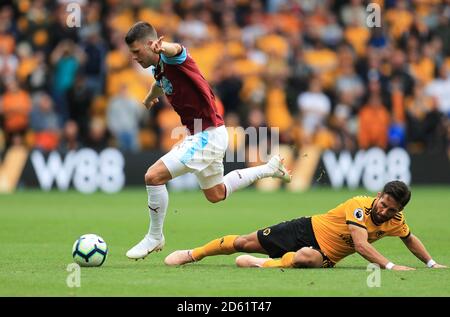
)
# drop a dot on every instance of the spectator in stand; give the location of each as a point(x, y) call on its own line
point(44, 122)
point(399, 71)
point(15, 108)
point(69, 138)
point(343, 123)
point(439, 88)
point(374, 120)
point(98, 137)
point(39, 78)
point(66, 59)
point(314, 107)
point(95, 50)
point(123, 117)
point(80, 99)
point(258, 41)
point(417, 107)
point(8, 62)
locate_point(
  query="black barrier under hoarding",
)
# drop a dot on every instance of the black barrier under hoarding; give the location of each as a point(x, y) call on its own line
point(430, 168)
point(111, 170)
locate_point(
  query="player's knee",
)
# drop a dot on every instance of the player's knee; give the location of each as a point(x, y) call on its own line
point(213, 198)
point(240, 243)
point(153, 179)
point(214, 195)
point(306, 257)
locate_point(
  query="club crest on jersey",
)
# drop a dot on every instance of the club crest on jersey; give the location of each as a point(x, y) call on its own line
point(166, 85)
point(359, 214)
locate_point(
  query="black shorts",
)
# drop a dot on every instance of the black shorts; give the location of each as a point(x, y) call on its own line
point(290, 236)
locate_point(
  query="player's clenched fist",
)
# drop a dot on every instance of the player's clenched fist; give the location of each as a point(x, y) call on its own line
point(156, 46)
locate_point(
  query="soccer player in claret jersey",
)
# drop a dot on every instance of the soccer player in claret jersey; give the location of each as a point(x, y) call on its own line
point(178, 77)
point(323, 240)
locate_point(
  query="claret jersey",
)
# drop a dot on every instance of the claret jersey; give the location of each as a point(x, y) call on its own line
point(332, 232)
point(187, 91)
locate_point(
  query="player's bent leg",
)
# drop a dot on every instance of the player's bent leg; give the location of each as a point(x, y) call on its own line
point(210, 180)
point(303, 258)
point(146, 246)
point(179, 257)
point(307, 258)
point(157, 174)
point(158, 199)
point(248, 243)
point(247, 260)
point(276, 163)
point(219, 246)
point(215, 194)
point(242, 178)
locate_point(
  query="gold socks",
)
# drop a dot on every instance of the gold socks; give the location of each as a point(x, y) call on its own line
point(218, 246)
point(286, 261)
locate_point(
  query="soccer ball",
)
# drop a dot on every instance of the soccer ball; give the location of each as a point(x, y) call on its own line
point(89, 250)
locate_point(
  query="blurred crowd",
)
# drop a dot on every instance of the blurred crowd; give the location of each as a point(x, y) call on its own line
point(315, 69)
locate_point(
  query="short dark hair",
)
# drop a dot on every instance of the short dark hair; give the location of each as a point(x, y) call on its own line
point(399, 191)
point(139, 31)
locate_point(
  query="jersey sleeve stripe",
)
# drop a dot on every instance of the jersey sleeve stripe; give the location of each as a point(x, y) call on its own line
point(177, 59)
point(355, 224)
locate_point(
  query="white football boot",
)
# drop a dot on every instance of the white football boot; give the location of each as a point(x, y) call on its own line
point(279, 170)
point(247, 260)
point(179, 257)
point(147, 245)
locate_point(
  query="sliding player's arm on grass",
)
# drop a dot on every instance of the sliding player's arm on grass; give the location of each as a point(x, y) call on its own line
point(418, 249)
point(367, 251)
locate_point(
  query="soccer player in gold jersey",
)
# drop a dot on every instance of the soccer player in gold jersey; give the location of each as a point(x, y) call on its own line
point(325, 239)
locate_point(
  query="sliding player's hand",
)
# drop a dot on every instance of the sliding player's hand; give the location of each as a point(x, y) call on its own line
point(402, 268)
point(156, 46)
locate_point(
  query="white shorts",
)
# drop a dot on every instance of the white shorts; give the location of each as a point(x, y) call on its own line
point(201, 154)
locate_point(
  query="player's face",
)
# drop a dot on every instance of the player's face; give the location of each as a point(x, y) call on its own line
point(385, 208)
point(142, 54)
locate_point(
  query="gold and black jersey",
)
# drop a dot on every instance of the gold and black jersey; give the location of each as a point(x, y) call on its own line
point(332, 232)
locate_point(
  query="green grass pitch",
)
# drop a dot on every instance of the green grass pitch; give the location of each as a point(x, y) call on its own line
point(37, 231)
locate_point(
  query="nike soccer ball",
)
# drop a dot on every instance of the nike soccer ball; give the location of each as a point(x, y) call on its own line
point(89, 250)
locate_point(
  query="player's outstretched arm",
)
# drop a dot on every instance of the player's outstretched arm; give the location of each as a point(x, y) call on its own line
point(367, 251)
point(152, 97)
point(418, 249)
point(168, 49)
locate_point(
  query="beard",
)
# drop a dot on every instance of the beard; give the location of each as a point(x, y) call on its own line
point(377, 218)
